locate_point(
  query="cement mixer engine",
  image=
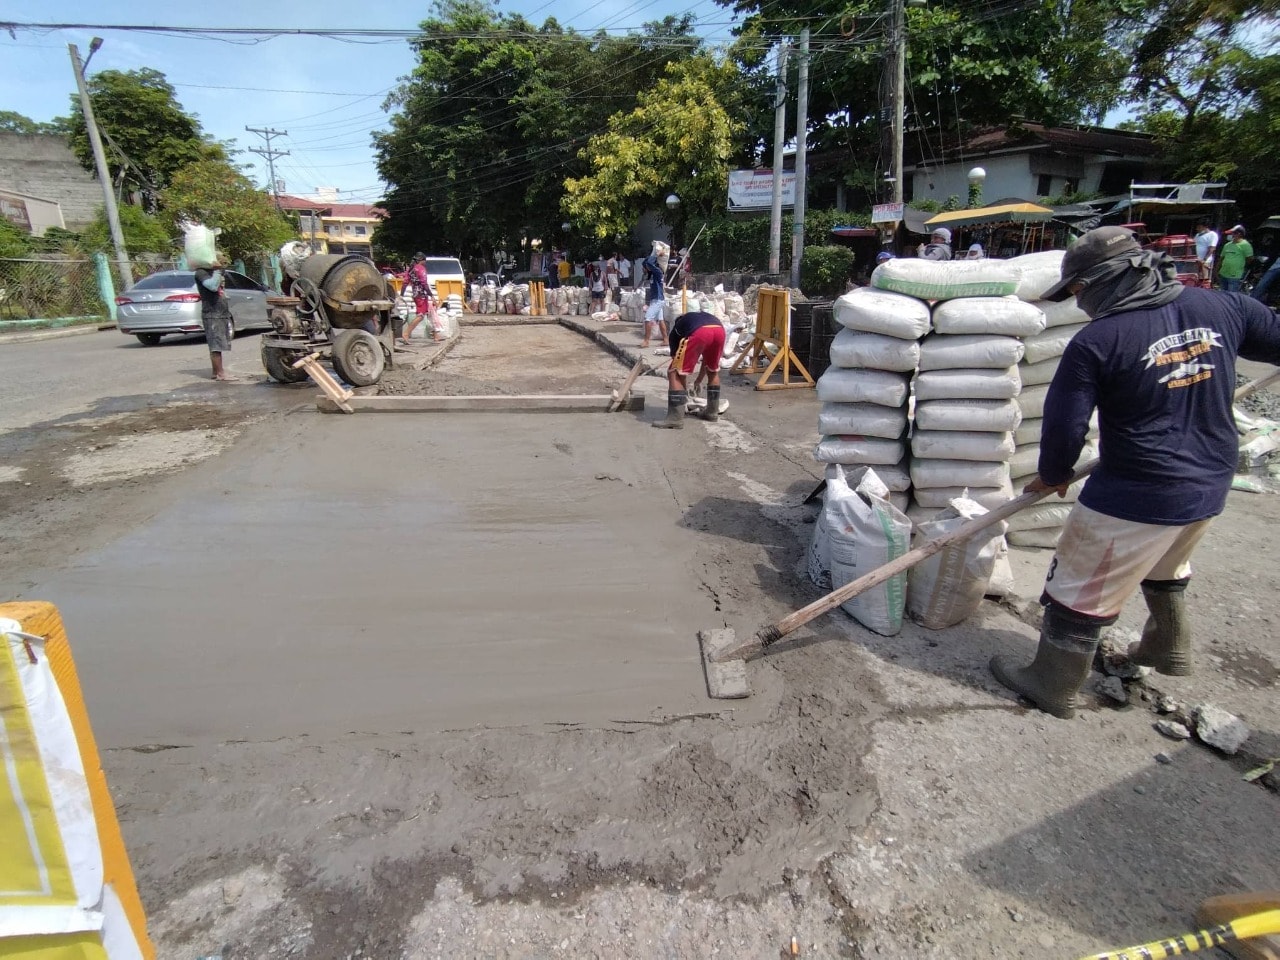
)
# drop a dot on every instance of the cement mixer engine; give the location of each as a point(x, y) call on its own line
point(339, 306)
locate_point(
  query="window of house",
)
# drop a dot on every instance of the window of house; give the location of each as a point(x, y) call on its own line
point(359, 230)
point(334, 229)
point(1072, 185)
point(1044, 185)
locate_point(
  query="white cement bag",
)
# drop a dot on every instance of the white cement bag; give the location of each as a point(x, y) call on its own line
point(1031, 401)
point(1006, 316)
point(958, 473)
point(1048, 513)
point(859, 450)
point(1036, 373)
point(199, 245)
point(866, 532)
point(874, 351)
point(935, 498)
point(862, 419)
point(1047, 537)
point(876, 311)
point(948, 587)
point(961, 445)
point(900, 501)
point(967, 385)
point(1028, 432)
point(1063, 313)
point(1051, 343)
point(971, 352)
point(1002, 583)
point(818, 559)
point(839, 385)
point(895, 477)
point(945, 279)
point(988, 416)
point(1025, 460)
point(1037, 272)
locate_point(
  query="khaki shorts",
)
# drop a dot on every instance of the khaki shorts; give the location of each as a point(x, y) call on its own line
point(1100, 561)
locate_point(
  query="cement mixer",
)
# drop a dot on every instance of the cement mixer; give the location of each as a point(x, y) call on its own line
point(338, 306)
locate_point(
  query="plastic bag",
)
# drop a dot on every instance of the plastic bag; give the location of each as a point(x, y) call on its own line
point(862, 419)
point(1007, 316)
point(200, 245)
point(945, 279)
point(818, 559)
point(961, 445)
point(866, 532)
point(859, 450)
point(839, 385)
point(948, 587)
point(991, 416)
point(958, 473)
point(971, 352)
point(894, 476)
point(877, 311)
point(967, 384)
point(874, 351)
point(935, 498)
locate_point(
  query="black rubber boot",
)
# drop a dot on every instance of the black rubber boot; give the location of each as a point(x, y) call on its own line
point(1166, 639)
point(676, 402)
point(711, 412)
point(1062, 663)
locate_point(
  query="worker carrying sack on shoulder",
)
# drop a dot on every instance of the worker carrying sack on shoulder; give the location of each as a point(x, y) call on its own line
point(948, 587)
point(866, 531)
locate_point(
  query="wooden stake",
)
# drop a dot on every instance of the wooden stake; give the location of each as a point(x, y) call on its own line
point(324, 380)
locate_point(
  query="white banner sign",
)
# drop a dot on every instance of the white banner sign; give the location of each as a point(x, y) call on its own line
point(886, 212)
point(753, 189)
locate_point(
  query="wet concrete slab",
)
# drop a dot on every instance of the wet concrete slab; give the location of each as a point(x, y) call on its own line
point(381, 574)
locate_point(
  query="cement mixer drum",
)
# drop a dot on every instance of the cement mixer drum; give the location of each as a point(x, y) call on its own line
point(346, 282)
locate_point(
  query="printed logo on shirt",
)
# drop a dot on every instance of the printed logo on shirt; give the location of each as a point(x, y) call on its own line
point(1181, 351)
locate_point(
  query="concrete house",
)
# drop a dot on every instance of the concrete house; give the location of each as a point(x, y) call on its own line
point(44, 185)
point(332, 227)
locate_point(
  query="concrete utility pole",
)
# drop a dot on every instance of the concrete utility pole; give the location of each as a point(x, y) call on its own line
point(895, 69)
point(802, 147)
point(270, 153)
point(779, 135)
point(104, 173)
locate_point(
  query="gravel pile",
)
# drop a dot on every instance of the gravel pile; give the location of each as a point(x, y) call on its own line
point(1264, 403)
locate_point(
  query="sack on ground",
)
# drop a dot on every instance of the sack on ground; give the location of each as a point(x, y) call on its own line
point(961, 445)
point(989, 416)
point(874, 351)
point(948, 587)
point(967, 384)
point(1032, 374)
point(199, 245)
point(819, 556)
point(958, 473)
point(1031, 400)
point(895, 477)
point(969, 352)
point(866, 532)
point(862, 419)
point(839, 385)
point(878, 311)
point(1006, 316)
point(1037, 272)
point(860, 450)
point(1050, 343)
point(945, 279)
point(1062, 313)
point(1002, 583)
point(935, 498)
point(1047, 538)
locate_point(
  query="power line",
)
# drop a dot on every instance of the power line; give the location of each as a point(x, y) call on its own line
point(270, 153)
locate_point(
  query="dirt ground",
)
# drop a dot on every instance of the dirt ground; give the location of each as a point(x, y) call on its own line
point(876, 797)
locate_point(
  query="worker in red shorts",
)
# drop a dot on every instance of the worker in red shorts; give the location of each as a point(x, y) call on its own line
point(694, 336)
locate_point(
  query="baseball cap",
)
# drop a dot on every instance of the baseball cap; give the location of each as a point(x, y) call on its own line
point(975, 248)
point(1095, 247)
point(883, 255)
point(1238, 229)
point(942, 232)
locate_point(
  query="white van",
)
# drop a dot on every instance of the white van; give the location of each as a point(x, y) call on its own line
point(444, 268)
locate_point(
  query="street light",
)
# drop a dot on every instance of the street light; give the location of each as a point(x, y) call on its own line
point(976, 177)
point(94, 46)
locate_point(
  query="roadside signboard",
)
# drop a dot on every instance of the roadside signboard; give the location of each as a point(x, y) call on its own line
point(753, 189)
point(886, 212)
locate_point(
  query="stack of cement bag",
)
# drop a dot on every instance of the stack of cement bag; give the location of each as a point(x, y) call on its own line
point(863, 418)
point(1041, 525)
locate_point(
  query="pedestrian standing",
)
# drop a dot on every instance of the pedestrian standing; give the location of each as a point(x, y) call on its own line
point(1157, 362)
point(695, 337)
point(938, 247)
point(215, 315)
point(423, 305)
point(1234, 258)
point(624, 273)
point(611, 274)
point(654, 297)
point(1206, 247)
point(595, 282)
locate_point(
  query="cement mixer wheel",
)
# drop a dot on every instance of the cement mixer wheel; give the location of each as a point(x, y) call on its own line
point(358, 357)
point(278, 364)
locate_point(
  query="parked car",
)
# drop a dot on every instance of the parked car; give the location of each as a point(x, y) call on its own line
point(167, 303)
point(444, 268)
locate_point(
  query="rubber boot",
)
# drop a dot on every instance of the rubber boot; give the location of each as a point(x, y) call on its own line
point(1062, 663)
point(1166, 639)
point(711, 413)
point(676, 401)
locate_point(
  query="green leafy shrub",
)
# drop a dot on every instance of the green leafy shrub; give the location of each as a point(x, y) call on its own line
point(825, 270)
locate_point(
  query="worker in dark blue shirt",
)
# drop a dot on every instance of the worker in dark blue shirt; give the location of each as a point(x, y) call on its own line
point(1158, 363)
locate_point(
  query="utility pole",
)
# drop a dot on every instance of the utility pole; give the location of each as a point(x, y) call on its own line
point(802, 146)
point(895, 68)
point(104, 174)
point(270, 153)
point(779, 135)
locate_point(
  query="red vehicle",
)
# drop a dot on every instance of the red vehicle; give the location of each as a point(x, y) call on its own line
point(1179, 246)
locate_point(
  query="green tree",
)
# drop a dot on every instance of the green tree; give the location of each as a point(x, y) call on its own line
point(14, 241)
point(143, 233)
point(679, 139)
point(13, 122)
point(214, 193)
point(141, 120)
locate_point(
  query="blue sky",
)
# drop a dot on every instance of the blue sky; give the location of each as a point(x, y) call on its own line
point(326, 93)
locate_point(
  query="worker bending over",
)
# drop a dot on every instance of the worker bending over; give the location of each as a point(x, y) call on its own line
point(694, 336)
point(1158, 363)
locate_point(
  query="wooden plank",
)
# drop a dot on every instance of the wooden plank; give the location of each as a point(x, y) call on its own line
point(526, 403)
